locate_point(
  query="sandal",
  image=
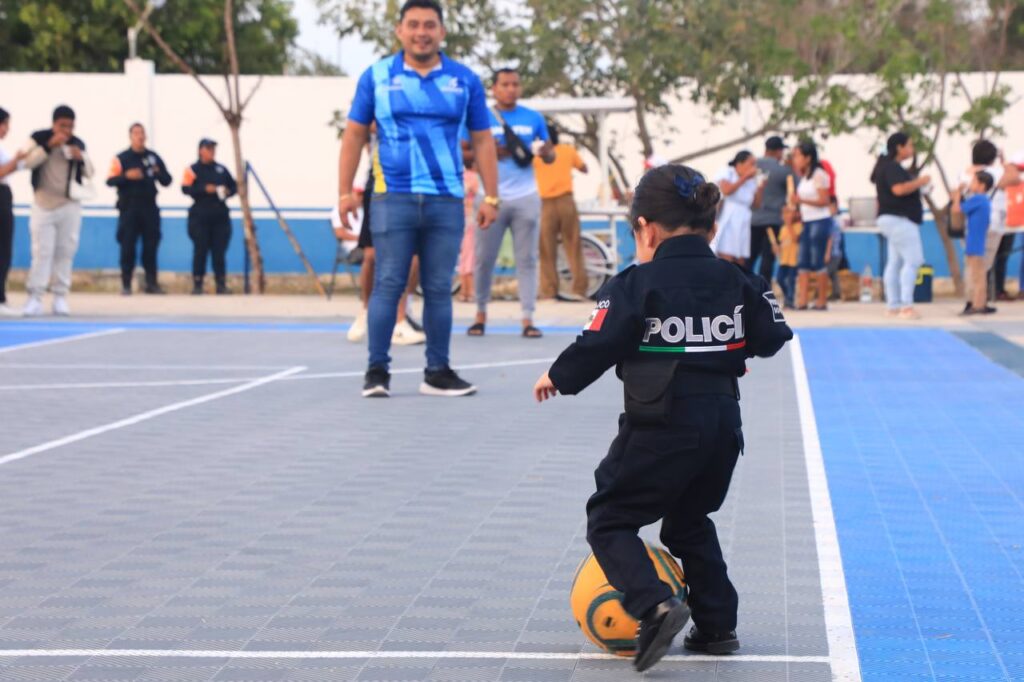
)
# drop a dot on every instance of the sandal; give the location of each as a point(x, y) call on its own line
point(531, 332)
point(476, 330)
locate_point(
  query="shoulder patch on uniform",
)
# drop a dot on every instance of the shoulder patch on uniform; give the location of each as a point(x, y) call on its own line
point(597, 317)
point(776, 307)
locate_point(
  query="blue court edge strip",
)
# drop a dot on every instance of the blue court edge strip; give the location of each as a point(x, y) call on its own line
point(13, 335)
point(923, 442)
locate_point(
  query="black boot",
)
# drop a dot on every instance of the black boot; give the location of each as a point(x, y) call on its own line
point(707, 643)
point(222, 288)
point(197, 286)
point(154, 289)
point(656, 631)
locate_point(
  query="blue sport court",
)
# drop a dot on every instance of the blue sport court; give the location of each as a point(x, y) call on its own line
point(211, 500)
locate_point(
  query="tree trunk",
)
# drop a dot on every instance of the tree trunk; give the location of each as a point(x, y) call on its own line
point(252, 246)
point(947, 244)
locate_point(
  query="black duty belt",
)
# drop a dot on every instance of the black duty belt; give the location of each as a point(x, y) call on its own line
point(688, 384)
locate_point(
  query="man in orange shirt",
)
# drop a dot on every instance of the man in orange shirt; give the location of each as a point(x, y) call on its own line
point(558, 216)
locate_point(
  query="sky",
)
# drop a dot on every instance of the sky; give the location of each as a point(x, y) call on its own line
point(351, 54)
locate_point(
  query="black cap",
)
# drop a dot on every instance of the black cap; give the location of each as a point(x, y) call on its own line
point(775, 143)
point(207, 142)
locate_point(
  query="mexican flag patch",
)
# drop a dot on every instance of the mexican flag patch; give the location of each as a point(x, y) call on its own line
point(597, 317)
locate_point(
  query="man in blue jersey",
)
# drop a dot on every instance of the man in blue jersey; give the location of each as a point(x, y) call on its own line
point(422, 102)
point(520, 134)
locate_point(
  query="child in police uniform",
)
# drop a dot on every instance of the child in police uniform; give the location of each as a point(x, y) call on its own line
point(679, 328)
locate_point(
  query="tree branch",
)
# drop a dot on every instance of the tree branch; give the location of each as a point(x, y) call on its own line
point(248, 98)
point(172, 55)
point(229, 31)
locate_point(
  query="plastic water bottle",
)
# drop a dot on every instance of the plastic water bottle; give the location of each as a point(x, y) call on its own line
point(867, 282)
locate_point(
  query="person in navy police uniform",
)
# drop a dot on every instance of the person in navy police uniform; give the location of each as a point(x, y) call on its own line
point(679, 328)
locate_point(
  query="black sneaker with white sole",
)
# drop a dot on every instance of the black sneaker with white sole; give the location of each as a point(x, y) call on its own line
point(445, 382)
point(377, 383)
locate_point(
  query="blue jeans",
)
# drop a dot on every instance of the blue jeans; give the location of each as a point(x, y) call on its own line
point(814, 243)
point(905, 256)
point(404, 225)
point(787, 280)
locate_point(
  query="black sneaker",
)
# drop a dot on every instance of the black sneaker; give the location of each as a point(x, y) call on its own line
point(717, 644)
point(126, 291)
point(657, 630)
point(155, 290)
point(445, 382)
point(197, 288)
point(378, 383)
point(988, 310)
point(223, 290)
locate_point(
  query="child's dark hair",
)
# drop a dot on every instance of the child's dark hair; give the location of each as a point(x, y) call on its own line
point(675, 196)
point(3, 116)
point(984, 153)
point(986, 179)
point(421, 4)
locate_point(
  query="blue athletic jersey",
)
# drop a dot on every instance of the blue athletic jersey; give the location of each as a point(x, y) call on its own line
point(515, 182)
point(421, 121)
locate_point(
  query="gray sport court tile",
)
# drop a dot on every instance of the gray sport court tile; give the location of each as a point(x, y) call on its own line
point(298, 517)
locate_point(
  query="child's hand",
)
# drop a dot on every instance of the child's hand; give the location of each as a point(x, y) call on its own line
point(544, 389)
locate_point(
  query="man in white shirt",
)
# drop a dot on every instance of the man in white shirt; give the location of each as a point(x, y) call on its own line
point(60, 169)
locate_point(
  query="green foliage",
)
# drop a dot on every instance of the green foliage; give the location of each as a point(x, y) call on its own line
point(89, 35)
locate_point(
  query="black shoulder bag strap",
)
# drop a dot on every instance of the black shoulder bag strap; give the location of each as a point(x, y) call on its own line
point(520, 153)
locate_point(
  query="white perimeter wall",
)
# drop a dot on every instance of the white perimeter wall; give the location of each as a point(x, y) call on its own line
point(287, 135)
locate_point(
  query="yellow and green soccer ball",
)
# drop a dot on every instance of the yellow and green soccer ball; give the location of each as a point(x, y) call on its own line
point(597, 606)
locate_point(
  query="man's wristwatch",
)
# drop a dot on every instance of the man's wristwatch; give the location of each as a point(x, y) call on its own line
point(493, 201)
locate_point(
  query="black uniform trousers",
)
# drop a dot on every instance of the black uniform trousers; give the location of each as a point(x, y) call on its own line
point(210, 232)
point(139, 221)
point(761, 246)
point(1000, 263)
point(678, 474)
point(6, 237)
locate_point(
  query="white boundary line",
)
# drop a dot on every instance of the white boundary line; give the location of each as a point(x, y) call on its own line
point(145, 416)
point(842, 646)
point(284, 655)
point(238, 380)
point(125, 384)
point(62, 339)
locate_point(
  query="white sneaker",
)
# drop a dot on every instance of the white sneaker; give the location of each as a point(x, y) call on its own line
point(357, 332)
point(8, 311)
point(405, 335)
point(33, 307)
point(60, 306)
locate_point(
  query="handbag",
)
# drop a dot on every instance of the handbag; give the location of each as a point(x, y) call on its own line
point(517, 149)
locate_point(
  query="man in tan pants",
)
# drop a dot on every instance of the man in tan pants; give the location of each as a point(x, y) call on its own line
point(558, 217)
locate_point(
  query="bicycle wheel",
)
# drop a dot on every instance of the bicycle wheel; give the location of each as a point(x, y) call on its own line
point(597, 259)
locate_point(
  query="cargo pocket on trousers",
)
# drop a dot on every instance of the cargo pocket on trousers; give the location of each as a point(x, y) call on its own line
point(739, 440)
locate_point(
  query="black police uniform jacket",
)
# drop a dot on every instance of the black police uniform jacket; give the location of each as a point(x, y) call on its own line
point(685, 305)
point(132, 193)
point(197, 177)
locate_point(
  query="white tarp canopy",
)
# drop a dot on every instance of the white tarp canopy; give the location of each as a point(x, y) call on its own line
point(597, 106)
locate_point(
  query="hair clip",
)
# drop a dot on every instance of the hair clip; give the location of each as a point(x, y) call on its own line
point(687, 188)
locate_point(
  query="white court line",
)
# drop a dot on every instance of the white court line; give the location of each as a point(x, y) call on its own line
point(62, 339)
point(235, 380)
point(125, 384)
point(284, 655)
point(842, 646)
point(104, 366)
point(482, 365)
point(145, 416)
